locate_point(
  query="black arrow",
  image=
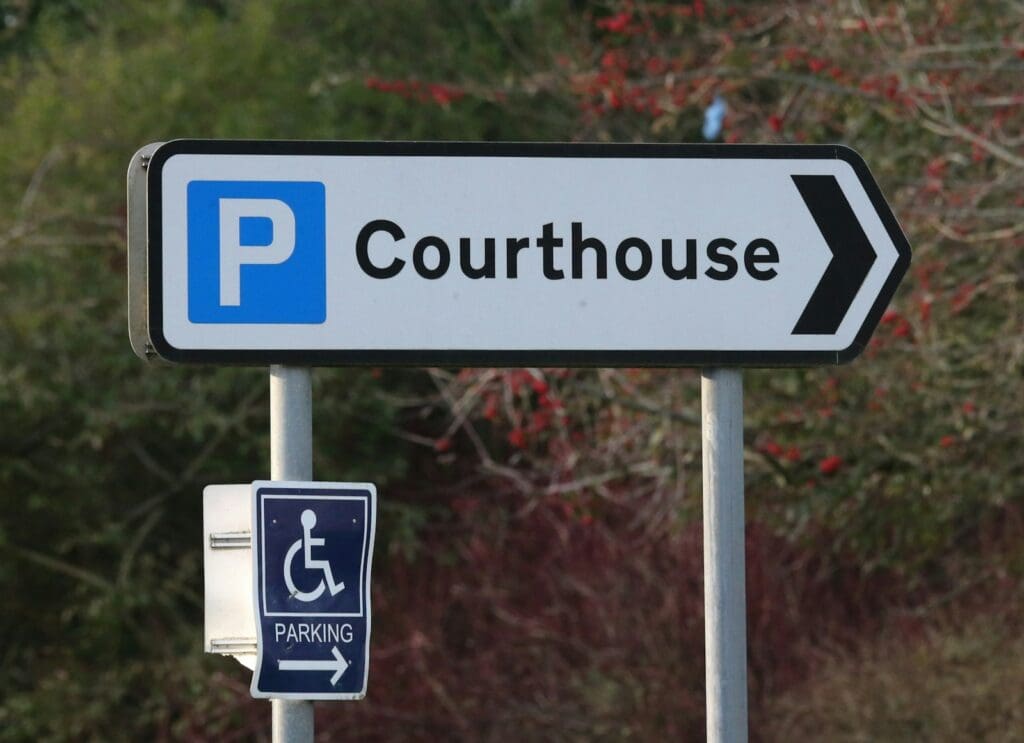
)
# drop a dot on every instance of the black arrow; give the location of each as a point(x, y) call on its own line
point(852, 255)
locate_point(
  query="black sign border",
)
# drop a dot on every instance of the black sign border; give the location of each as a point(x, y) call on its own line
point(493, 358)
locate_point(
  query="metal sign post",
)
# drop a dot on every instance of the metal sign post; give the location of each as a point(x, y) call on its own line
point(725, 607)
point(291, 458)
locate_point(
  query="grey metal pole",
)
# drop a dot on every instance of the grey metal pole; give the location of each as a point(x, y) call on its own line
point(291, 458)
point(725, 610)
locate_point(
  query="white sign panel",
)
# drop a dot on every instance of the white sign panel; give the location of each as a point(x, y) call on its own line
point(334, 253)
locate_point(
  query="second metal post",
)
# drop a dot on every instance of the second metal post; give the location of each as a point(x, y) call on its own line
point(725, 610)
point(291, 458)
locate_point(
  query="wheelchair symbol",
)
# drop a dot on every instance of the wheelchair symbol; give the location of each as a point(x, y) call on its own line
point(306, 543)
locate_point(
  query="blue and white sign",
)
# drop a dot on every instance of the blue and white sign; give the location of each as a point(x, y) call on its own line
point(454, 254)
point(256, 252)
point(313, 549)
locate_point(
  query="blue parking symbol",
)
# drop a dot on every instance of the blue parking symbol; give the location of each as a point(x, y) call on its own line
point(257, 252)
point(313, 549)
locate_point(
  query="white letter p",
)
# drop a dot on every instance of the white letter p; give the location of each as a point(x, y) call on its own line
point(233, 255)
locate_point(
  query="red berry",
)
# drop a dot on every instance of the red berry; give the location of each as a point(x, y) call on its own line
point(517, 438)
point(830, 465)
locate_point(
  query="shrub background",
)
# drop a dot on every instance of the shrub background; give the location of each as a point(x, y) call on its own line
point(538, 571)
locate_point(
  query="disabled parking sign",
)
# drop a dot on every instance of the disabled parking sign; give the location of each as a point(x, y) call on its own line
point(313, 549)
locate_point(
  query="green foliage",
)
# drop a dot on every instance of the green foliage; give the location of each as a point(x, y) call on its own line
point(103, 458)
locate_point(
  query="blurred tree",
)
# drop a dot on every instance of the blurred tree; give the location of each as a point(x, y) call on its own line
point(102, 458)
point(895, 482)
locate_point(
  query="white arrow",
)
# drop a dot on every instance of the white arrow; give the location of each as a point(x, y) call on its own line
point(339, 665)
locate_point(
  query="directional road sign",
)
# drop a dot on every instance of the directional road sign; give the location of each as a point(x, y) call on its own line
point(489, 254)
point(313, 551)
